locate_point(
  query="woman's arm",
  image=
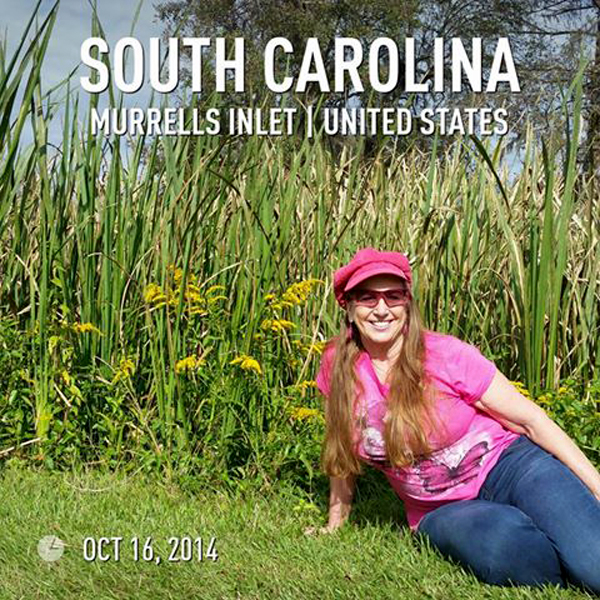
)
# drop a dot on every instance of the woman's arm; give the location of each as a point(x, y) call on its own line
point(503, 402)
point(340, 500)
point(340, 503)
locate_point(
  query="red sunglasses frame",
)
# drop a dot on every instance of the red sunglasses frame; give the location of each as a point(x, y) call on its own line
point(353, 295)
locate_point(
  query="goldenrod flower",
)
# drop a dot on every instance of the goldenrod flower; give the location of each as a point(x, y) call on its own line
point(521, 388)
point(86, 328)
point(303, 385)
point(295, 295)
point(189, 363)
point(298, 293)
point(317, 347)
point(175, 272)
point(214, 288)
point(193, 296)
point(280, 305)
point(125, 371)
point(247, 363)
point(303, 413)
point(277, 325)
point(153, 294)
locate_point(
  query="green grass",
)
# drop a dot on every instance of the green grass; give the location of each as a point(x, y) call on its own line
point(263, 552)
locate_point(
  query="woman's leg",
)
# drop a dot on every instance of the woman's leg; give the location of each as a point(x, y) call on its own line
point(557, 501)
point(499, 543)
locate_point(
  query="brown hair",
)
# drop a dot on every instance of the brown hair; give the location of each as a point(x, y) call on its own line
point(410, 401)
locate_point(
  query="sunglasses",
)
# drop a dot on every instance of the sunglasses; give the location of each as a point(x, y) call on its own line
point(370, 298)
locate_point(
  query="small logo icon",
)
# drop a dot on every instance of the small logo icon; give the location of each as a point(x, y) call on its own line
point(50, 548)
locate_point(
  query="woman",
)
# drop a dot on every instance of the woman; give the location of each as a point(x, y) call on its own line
point(483, 472)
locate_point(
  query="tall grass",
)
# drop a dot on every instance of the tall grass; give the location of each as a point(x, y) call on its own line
point(88, 230)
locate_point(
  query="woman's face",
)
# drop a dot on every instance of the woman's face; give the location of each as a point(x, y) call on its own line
point(380, 326)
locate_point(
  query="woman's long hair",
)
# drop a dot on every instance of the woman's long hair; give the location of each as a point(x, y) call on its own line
point(410, 401)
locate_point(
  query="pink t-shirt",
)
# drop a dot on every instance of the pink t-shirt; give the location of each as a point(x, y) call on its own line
point(460, 462)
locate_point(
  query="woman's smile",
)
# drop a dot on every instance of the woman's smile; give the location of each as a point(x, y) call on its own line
point(380, 325)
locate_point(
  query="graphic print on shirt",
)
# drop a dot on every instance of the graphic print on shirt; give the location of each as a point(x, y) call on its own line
point(452, 466)
point(374, 446)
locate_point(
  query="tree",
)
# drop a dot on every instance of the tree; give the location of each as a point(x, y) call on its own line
point(545, 37)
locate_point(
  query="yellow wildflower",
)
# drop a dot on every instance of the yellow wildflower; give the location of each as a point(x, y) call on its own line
point(277, 325)
point(303, 385)
point(562, 390)
point(298, 293)
point(125, 371)
point(85, 328)
point(175, 272)
point(193, 296)
point(189, 363)
point(214, 288)
point(153, 294)
point(521, 388)
point(295, 295)
point(317, 347)
point(247, 363)
point(303, 413)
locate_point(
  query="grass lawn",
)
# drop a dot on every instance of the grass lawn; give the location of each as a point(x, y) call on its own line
point(262, 551)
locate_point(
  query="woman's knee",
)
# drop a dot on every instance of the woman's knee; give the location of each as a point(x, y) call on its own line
point(499, 543)
point(518, 553)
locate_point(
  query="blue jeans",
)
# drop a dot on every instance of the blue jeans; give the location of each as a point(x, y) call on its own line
point(533, 522)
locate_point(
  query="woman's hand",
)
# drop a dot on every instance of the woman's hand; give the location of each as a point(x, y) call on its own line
point(340, 502)
point(314, 531)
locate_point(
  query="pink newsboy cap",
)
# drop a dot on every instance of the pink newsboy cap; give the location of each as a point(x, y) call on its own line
point(367, 263)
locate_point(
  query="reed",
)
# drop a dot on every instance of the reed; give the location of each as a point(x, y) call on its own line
point(110, 258)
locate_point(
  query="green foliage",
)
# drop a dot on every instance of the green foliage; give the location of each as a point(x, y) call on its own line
point(16, 392)
point(575, 406)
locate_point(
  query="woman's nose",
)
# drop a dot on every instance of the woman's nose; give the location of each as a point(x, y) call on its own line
point(381, 307)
